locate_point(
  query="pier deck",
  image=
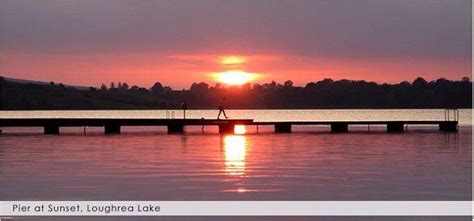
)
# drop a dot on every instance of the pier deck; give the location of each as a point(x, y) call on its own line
point(113, 126)
point(343, 126)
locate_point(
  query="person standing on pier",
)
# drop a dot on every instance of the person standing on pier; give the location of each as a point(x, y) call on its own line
point(221, 109)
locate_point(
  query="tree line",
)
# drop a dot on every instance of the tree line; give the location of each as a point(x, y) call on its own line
point(326, 93)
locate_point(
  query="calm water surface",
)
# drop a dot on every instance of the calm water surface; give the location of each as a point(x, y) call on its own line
point(310, 164)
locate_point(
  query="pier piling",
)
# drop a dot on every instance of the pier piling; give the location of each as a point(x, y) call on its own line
point(449, 126)
point(339, 127)
point(282, 128)
point(395, 127)
point(175, 128)
point(112, 129)
point(226, 128)
point(51, 129)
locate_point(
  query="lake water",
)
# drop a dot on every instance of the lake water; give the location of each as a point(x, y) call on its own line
point(145, 163)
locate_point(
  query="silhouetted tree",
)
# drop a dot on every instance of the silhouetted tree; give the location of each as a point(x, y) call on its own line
point(103, 87)
point(288, 83)
point(326, 93)
point(122, 86)
point(157, 88)
point(199, 87)
point(405, 84)
point(419, 82)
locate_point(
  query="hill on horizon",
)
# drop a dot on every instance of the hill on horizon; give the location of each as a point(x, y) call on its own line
point(18, 94)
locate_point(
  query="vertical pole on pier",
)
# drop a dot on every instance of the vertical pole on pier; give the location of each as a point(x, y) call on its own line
point(184, 106)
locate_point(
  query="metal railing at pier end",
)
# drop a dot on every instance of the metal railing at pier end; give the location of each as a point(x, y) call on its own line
point(451, 112)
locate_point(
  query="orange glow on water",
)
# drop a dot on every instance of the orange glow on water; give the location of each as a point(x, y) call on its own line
point(235, 77)
point(239, 129)
point(235, 151)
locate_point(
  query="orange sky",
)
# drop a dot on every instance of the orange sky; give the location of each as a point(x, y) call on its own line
point(179, 42)
point(180, 70)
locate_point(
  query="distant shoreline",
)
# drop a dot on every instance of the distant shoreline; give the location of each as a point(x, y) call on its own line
point(325, 94)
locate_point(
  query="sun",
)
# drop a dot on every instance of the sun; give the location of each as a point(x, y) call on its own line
point(235, 77)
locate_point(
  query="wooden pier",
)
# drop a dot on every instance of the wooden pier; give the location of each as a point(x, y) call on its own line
point(113, 126)
point(343, 126)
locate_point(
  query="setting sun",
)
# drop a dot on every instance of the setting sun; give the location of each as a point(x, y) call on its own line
point(235, 77)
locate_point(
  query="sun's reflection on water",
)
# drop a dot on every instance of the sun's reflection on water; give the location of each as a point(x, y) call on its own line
point(235, 150)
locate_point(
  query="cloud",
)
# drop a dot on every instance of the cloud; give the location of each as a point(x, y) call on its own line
point(366, 28)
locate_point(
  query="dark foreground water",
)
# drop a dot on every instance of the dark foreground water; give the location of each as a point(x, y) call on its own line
point(310, 164)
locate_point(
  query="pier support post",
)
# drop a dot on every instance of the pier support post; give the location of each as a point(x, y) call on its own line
point(175, 128)
point(112, 129)
point(226, 128)
point(339, 127)
point(282, 128)
point(395, 127)
point(449, 126)
point(51, 129)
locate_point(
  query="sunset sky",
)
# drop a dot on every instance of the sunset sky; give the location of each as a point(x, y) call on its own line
point(178, 42)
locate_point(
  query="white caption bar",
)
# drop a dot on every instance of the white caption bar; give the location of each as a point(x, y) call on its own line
point(235, 208)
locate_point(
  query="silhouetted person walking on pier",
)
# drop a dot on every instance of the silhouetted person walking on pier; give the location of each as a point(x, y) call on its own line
point(221, 109)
